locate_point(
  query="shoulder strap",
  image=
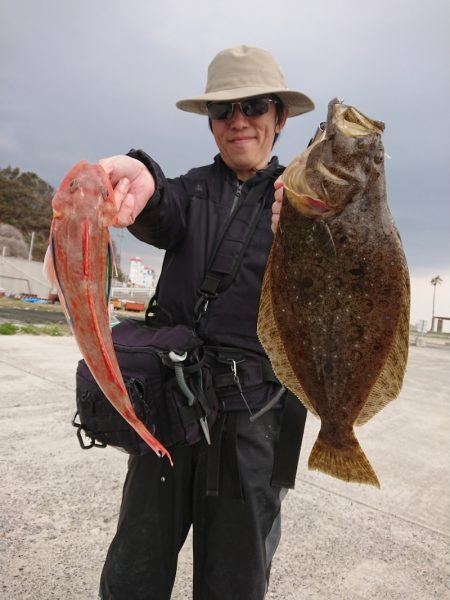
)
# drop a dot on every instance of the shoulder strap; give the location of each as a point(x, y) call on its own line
point(231, 247)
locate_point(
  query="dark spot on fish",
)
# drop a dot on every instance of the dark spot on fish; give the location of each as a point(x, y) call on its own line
point(334, 304)
point(385, 290)
point(328, 367)
point(73, 185)
point(357, 271)
point(355, 333)
point(366, 305)
point(364, 205)
point(305, 283)
point(378, 346)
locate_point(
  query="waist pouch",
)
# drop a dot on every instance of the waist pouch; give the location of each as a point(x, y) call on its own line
point(242, 380)
point(168, 382)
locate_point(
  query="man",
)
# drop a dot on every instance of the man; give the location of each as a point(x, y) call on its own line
point(231, 498)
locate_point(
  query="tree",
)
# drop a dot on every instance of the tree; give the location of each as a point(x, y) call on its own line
point(434, 282)
point(25, 203)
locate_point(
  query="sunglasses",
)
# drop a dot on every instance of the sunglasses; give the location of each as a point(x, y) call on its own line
point(254, 107)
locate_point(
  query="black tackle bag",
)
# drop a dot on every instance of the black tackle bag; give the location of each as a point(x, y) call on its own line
point(168, 383)
point(174, 398)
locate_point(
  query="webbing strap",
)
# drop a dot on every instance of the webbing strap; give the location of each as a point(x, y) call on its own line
point(231, 449)
point(213, 464)
point(232, 245)
point(287, 451)
point(223, 453)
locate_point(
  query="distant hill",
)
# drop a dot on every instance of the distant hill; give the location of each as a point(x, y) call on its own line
point(12, 242)
point(25, 204)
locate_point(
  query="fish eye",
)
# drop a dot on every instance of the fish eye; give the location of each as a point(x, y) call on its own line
point(378, 158)
point(105, 193)
point(73, 185)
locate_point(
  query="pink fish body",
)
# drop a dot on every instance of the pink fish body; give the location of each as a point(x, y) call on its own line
point(79, 264)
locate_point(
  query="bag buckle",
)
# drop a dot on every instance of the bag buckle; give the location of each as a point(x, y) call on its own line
point(84, 444)
point(202, 304)
point(233, 364)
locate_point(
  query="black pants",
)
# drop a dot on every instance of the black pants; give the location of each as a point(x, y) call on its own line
point(235, 532)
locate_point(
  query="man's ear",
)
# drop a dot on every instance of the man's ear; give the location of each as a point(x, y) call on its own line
point(280, 122)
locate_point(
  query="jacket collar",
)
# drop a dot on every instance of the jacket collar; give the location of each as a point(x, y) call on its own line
point(273, 170)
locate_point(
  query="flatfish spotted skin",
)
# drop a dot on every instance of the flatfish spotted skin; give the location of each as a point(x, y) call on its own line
point(334, 312)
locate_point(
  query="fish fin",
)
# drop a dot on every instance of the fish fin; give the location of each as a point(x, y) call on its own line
point(149, 439)
point(51, 273)
point(49, 268)
point(324, 238)
point(109, 271)
point(347, 464)
point(389, 383)
point(270, 339)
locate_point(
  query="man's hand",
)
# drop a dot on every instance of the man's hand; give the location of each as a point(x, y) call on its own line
point(133, 186)
point(276, 206)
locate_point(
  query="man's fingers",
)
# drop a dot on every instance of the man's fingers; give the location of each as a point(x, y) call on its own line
point(278, 183)
point(121, 191)
point(276, 206)
point(125, 216)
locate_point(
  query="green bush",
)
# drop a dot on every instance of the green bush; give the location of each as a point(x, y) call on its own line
point(53, 330)
point(30, 329)
point(8, 329)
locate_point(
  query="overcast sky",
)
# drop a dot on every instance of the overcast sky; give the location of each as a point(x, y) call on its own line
point(91, 78)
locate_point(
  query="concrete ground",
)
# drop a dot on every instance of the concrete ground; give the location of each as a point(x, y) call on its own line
point(341, 541)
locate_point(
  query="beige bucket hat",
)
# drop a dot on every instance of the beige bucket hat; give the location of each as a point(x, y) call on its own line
point(242, 72)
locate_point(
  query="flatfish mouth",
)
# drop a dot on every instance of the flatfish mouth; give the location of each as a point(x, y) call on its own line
point(334, 308)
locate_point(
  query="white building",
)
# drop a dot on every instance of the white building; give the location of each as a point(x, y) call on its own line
point(141, 275)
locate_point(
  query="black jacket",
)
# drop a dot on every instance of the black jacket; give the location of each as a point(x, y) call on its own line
point(185, 217)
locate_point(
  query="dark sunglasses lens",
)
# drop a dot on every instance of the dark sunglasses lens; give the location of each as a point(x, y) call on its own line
point(255, 107)
point(219, 111)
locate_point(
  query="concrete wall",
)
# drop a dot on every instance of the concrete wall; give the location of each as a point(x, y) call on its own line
point(20, 276)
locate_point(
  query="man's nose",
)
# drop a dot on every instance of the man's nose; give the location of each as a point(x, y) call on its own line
point(237, 118)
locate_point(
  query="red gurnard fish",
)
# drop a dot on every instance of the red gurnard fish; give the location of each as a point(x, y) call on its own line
point(79, 264)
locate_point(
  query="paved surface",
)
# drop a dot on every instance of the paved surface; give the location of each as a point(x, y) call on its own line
point(30, 315)
point(59, 504)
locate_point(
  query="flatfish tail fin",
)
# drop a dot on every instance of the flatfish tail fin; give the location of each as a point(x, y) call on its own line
point(347, 464)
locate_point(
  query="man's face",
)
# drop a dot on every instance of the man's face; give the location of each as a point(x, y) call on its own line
point(244, 142)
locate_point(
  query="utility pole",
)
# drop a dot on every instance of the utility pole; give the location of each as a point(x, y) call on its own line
point(434, 282)
point(30, 253)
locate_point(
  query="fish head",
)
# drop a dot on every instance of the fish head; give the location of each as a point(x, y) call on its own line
point(85, 192)
point(343, 157)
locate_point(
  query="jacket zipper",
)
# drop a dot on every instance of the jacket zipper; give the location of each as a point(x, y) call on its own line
point(237, 195)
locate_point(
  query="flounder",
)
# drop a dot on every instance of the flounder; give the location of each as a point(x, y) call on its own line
point(334, 309)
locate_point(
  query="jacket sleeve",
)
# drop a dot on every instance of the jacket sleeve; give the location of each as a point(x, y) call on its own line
point(162, 223)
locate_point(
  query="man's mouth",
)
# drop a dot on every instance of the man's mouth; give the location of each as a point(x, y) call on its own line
point(241, 140)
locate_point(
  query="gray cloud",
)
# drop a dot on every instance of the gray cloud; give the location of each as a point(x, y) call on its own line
point(90, 79)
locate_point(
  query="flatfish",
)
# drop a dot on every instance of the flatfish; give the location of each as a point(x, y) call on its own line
point(334, 308)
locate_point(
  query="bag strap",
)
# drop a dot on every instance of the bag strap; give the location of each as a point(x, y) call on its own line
point(287, 450)
point(231, 247)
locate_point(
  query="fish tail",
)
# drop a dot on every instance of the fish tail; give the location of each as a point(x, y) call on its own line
point(348, 464)
point(154, 444)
